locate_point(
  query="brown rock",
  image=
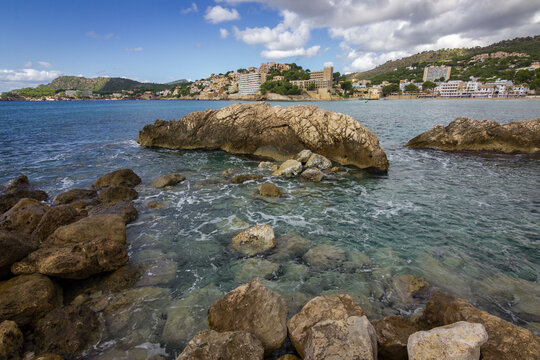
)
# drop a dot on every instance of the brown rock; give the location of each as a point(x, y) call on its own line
point(319, 162)
point(239, 179)
point(15, 246)
point(312, 174)
point(255, 240)
point(48, 357)
point(27, 298)
point(253, 308)
point(505, 340)
point(17, 189)
point(407, 287)
point(18, 184)
point(74, 195)
point(303, 156)
point(92, 227)
point(289, 168)
point(168, 180)
point(54, 218)
point(269, 190)
point(24, 216)
point(11, 340)
point(327, 307)
point(213, 345)
point(274, 132)
point(289, 246)
point(392, 335)
point(288, 357)
point(123, 177)
point(116, 194)
point(468, 134)
point(126, 210)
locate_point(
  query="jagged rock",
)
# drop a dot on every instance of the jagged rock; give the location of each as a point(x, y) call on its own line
point(126, 210)
point(253, 308)
point(255, 240)
point(289, 247)
point(54, 218)
point(92, 227)
point(312, 174)
point(505, 340)
point(15, 246)
point(407, 287)
point(74, 195)
point(289, 168)
point(458, 341)
point(269, 190)
point(303, 156)
point(17, 184)
point(24, 216)
point(324, 257)
point(27, 298)
point(168, 180)
point(123, 177)
point(468, 134)
point(67, 330)
point(239, 179)
point(116, 194)
point(320, 308)
point(274, 132)
point(246, 270)
point(18, 189)
point(353, 338)
point(11, 340)
point(213, 345)
point(392, 335)
point(319, 162)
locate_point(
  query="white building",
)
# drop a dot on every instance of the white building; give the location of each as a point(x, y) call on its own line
point(451, 88)
point(249, 83)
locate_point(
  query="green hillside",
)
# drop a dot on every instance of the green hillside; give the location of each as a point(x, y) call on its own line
point(100, 84)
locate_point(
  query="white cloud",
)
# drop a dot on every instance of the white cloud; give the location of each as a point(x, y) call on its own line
point(15, 79)
point(217, 14)
point(298, 52)
point(193, 8)
point(224, 33)
point(108, 36)
point(136, 49)
point(45, 64)
point(92, 34)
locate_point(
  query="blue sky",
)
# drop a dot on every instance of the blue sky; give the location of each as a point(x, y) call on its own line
point(166, 40)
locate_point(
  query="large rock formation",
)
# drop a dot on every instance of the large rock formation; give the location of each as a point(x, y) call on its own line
point(468, 134)
point(213, 345)
point(274, 132)
point(15, 246)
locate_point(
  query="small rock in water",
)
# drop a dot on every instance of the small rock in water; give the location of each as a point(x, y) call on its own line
point(270, 190)
point(266, 165)
point(123, 177)
point(324, 257)
point(229, 172)
point(255, 240)
point(303, 156)
point(11, 340)
point(239, 179)
point(289, 246)
point(408, 287)
point(168, 180)
point(116, 194)
point(213, 345)
point(245, 270)
point(289, 168)
point(312, 174)
point(318, 161)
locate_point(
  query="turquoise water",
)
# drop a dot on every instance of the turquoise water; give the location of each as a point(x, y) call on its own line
point(468, 223)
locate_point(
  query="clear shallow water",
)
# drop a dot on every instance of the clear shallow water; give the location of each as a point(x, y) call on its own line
point(468, 223)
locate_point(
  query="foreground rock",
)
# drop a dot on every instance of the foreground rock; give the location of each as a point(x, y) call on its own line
point(24, 216)
point(117, 194)
point(168, 180)
point(18, 189)
point(312, 174)
point(11, 340)
point(123, 177)
point(255, 240)
point(468, 134)
point(53, 219)
point(269, 190)
point(458, 341)
point(213, 345)
point(392, 335)
point(74, 195)
point(15, 246)
point(253, 308)
point(505, 340)
point(275, 132)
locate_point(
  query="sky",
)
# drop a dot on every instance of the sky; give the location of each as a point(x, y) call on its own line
point(166, 40)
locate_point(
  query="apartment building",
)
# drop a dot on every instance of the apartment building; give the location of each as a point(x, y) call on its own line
point(250, 83)
point(322, 79)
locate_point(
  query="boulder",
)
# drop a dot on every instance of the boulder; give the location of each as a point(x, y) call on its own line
point(116, 194)
point(303, 156)
point(20, 183)
point(67, 331)
point(458, 341)
point(269, 190)
point(213, 345)
point(17, 189)
point(168, 180)
point(239, 179)
point(289, 247)
point(255, 240)
point(54, 218)
point(353, 338)
point(468, 134)
point(505, 340)
point(319, 162)
point(289, 168)
point(90, 228)
point(27, 298)
point(392, 335)
point(11, 340)
point(320, 308)
point(253, 308)
point(324, 257)
point(267, 165)
point(273, 132)
point(126, 210)
point(74, 195)
point(123, 177)
point(312, 174)
point(24, 216)
point(15, 246)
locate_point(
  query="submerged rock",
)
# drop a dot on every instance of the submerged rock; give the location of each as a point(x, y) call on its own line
point(15, 246)
point(289, 246)
point(288, 169)
point(126, 210)
point(122, 177)
point(245, 270)
point(168, 180)
point(468, 134)
point(408, 287)
point(255, 240)
point(11, 340)
point(274, 132)
point(269, 190)
point(213, 345)
point(24, 216)
point(74, 195)
point(239, 179)
point(458, 341)
point(312, 174)
point(392, 335)
point(324, 257)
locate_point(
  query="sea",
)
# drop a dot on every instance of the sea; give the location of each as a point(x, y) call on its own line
point(466, 222)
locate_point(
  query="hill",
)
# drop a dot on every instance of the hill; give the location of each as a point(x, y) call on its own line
point(100, 84)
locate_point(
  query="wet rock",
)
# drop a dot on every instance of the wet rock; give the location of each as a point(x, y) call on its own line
point(269, 190)
point(126, 210)
point(27, 298)
point(67, 331)
point(15, 246)
point(53, 219)
point(289, 246)
point(245, 270)
point(17, 184)
point(233, 224)
point(11, 340)
point(303, 156)
point(92, 227)
point(158, 273)
point(213, 345)
point(123, 278)
point(407, 287)
point(505, 340)
point(116, 194)
point(122, 177)
point(294, 272)
point(253, 308)
point(461, 340)
point(24, 216)
point(333, 169)
point(357, 261)
point(255, 240)
point(267, 165)
point(324, 257)
point(320, 308)
point(353, 338)
point(319, 162)
point(168, 180)
point(392, 335)
point(312, 174)
point(74, 195)
point(289, 168)
point(17, 189)
point(239, 179)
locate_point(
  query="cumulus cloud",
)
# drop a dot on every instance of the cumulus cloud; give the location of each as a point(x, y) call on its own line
point(14, 79)
point(224, 33)
point(193, 8)
point(217, 14)
point(135, 49)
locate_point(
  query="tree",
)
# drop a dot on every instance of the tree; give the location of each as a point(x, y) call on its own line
point(428, 85)
point(523, 76)
point(411, 88)
point(347, 86)
point(311, 87)
point(388, 89)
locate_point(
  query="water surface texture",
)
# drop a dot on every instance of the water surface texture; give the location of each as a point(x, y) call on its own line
point(468, 223)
